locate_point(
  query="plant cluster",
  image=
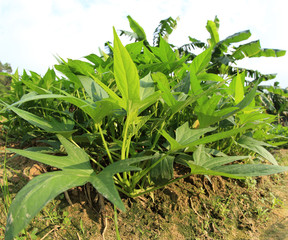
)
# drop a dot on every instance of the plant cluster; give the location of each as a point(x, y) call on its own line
point(123, 120)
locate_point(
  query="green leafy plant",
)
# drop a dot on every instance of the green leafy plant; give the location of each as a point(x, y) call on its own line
point(124, 119)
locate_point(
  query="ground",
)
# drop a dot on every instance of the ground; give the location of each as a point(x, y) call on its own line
point(193, 208)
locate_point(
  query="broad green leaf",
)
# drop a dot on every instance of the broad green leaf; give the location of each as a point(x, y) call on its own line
point(71, 76)
point(34, 87)
point(247, 50)
point(163, 85)
point(79, 67)
point(164, 51)
point(98, 61)
point(197, 66)
point(203, 158)
point(126, 74)
point(213, 30)
point(173, 143)
point(250, 170)
point(201, 61)
point(134, 49)
point(244, 103)
point(48, 80)
point(53, 126)
point(218, 136)
point(94, 91)
point(209, 77)
point(148, 101)
point(77, 159)
point(137, 29)
point(237, 37)
point(196, 169)
point(97, 111)
point(184, 85)
point(257, 146)
point(180, 105)
point(238, 171)
point(200, 156)
point(112, 94)
point(104, 182)
point(239, 87)
point(219, 161)
point(255, 116)
point(35, 195)
point(162, 172)
point(147, 87)
point(266, 52)
point(185, 135)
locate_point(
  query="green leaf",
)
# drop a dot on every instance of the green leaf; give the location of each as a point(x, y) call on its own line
point(251, 170)
point(218, 136)
point(201, 61)
point(197, 66)
point(112, 94)
point(162, 172)
point(137, 29)
point(35, 195)
point(247, 50)
point(164, 51)
point(71, 76)
point(209, 77)
point(266, 52)
point(77, 159)
point(278, 91)
point(257, 146)
point(98, 61)
point(164, 29)
point(239, 87)
point(174, 144)
point(163, 85)
point(126, 74)
point(184, 85)
point(213, 30)
point(196, 169)
point(92, 88)
point(200, 156)
point(236, 37)
point(97, 111)
point(79, 67)
point(185, 135)
point(219, 161)
point(52, 125)
point(147, 87)
point(134, 49)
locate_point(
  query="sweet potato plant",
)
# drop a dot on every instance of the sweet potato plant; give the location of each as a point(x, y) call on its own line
point(124, 119)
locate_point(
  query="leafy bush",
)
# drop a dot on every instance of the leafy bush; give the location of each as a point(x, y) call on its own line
point(125, 118)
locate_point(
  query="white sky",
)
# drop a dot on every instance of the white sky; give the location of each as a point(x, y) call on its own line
point(32, 31)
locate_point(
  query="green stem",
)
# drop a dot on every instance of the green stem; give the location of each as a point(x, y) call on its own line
point(97, 126)
point(124, 152)
point(116, 223)
point(158, 135)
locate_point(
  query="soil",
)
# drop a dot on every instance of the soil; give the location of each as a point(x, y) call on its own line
point(193, 208)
